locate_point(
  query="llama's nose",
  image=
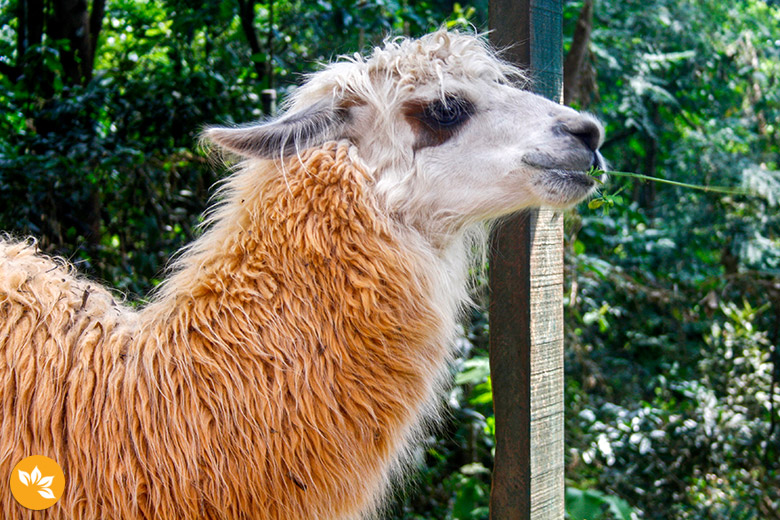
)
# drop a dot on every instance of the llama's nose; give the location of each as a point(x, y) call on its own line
point(587, 130)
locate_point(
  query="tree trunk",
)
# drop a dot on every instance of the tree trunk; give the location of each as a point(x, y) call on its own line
point(246, 11)
point(21, 32)
point(95, 24)
point(270, 44)
point(644, 192)
point(35, 18)
point(30, 16)
point(72, 21)
point(575, 68)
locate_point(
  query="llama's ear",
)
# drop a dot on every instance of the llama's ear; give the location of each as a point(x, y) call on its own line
point(283, 137)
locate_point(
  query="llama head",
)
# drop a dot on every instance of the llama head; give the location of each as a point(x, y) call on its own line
point(442, 128)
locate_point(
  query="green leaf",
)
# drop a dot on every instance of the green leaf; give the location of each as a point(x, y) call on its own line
point(589, 504)
point(475, 370)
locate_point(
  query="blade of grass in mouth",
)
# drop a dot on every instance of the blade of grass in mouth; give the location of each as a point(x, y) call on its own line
point(714, 189)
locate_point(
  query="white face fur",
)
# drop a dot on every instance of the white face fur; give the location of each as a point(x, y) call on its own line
point(442, 130)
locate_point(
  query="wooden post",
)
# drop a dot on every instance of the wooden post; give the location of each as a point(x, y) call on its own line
point(526, 306)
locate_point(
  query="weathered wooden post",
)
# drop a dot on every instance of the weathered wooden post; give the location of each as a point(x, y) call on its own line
point(526, 306)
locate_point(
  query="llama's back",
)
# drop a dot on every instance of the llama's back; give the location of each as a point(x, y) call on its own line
point(54, 330)
point(42, 301)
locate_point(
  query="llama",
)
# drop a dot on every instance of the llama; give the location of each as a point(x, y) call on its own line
point(299, 347)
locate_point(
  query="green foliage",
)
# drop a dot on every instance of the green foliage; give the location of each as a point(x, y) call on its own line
point(672, 364)
point(591, 504)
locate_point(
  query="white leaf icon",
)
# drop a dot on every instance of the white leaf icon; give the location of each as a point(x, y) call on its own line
point(24, 477)
point(45, 481)
point(46, 493)
point(35, 476)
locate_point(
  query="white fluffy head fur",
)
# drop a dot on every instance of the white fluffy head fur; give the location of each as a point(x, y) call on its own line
point(443, 127)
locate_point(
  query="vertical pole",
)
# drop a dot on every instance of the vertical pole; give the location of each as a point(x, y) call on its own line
point(526, 306)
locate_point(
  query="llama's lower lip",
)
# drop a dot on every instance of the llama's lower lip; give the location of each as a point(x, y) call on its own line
point(574, 164)
point(561, 188)
point(578, 177)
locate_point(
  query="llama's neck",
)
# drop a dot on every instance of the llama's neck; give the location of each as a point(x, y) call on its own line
point(315, 338)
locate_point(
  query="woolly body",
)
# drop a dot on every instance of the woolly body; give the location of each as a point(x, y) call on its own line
point(292, 358)
point(274, 381)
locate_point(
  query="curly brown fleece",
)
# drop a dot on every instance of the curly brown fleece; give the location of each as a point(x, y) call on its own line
point(280, 373)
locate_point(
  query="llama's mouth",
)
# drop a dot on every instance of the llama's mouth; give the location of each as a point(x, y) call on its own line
point(563, 188)
point(565, 180)
point(575, 177)
point(578, 162)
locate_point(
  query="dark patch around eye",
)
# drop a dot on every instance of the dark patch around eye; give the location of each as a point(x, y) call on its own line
point(434, 122)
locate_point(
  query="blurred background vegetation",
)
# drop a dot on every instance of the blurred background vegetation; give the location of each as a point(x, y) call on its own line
point(672, 296)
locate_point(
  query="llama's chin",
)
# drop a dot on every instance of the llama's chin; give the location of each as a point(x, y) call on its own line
point(563, 189)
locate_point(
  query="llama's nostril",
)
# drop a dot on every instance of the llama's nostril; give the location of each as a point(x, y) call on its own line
point(586, 130)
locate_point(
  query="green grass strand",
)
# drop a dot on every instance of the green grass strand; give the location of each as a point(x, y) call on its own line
point(714, 189)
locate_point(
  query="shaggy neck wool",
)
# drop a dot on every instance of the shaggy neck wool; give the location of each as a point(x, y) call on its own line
point(280, 373)
point(321, 323)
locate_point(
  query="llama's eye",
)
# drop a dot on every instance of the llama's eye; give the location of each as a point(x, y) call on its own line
point(436, 121)
point(449, 112)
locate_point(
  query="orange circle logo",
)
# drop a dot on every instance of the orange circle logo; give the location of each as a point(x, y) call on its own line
point(37, 482)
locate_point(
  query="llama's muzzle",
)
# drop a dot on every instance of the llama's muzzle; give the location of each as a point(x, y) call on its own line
point(580, 136)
